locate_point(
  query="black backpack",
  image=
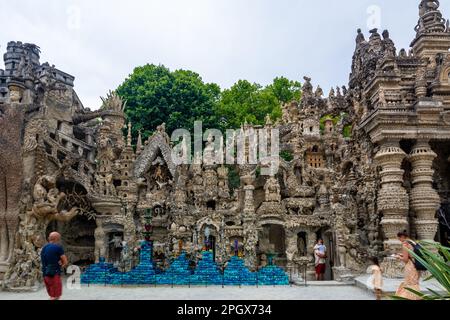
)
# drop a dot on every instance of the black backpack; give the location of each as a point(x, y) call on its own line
point(417, 248)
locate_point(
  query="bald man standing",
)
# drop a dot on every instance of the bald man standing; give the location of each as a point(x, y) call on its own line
point(53, 259)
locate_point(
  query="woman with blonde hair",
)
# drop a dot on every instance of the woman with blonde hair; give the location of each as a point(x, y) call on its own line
point(376, 279)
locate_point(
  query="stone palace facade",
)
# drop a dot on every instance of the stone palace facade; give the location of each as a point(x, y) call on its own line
point(369, 160)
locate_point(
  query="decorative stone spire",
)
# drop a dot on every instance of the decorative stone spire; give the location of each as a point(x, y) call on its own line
point(360, 38)
point(307, 88)
point(375, 36)
point(433, 32)
point(431, 19)
point(139, 143)
point(129, 134)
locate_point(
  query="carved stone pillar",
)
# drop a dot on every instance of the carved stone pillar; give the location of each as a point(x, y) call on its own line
point(393, 200)
point(424, 199)
point(100, 242)
point(250, 230)
point(291, 247)
point(291, 255)
point(311, 242)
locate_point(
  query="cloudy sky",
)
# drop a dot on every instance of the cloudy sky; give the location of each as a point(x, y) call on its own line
point(101, 41)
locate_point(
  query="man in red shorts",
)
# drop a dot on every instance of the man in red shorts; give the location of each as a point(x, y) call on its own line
point(320, 255)
point(53, 259)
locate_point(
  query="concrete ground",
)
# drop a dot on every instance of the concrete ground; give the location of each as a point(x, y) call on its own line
point(390, 286)
point(324, 291)
point(327, 290)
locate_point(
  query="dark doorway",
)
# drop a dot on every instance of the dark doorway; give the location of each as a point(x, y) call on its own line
point(210, 242)
point(79, 240)
point(211, 205)
point(212, 245)
point(273, 241)
point(328, 240)
point(115, 246)
point(302, 241)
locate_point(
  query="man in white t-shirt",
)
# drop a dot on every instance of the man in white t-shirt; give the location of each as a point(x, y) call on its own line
point(320, 255)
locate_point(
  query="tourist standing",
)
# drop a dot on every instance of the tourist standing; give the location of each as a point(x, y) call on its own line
point(53, 259)
point(376, 279)
point(320, 255)
point(412, 275)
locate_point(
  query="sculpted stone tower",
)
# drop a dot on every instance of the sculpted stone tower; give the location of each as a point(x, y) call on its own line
point(407, 108)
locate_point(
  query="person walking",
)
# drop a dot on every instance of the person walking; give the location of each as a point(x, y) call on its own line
point(376, 279)
point(412, 275)
point(320, 255)
point(53, 260)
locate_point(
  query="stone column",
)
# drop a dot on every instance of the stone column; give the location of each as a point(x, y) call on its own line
point(424, 199)
point(393, 200)
point(100, 242)
point(250, 230)
point(311, 242)
point(291, 250)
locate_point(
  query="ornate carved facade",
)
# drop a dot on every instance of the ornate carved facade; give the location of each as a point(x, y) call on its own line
point(362, 164)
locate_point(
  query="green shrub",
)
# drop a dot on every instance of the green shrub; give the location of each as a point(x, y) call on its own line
point(347, 132)
point(286, 156)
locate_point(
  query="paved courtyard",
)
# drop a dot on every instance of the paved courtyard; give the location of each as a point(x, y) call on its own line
point(313, 292)
point(327, 290)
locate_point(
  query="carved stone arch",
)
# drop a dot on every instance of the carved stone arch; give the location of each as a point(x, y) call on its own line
point(207, 221)
point(113, 226)
point(297, 229)
point(273, 221)
point(73, 175)
point(76, 194)
point(156, 145)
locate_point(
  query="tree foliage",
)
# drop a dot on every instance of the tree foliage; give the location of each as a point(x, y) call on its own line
point(156, 95)
point(251, 103)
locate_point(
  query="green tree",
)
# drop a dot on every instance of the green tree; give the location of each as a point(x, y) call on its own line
point(250, 102)
point(156, 95)
point(285, 90)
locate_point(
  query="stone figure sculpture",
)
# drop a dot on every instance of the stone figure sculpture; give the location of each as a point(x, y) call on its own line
point(47, 199)
point(272, 189)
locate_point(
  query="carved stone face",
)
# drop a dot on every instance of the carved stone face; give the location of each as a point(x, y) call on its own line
point(38, 241)
point(15, 95)
point(103, 144)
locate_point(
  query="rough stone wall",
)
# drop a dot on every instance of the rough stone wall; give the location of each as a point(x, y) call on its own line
point(11, 176)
